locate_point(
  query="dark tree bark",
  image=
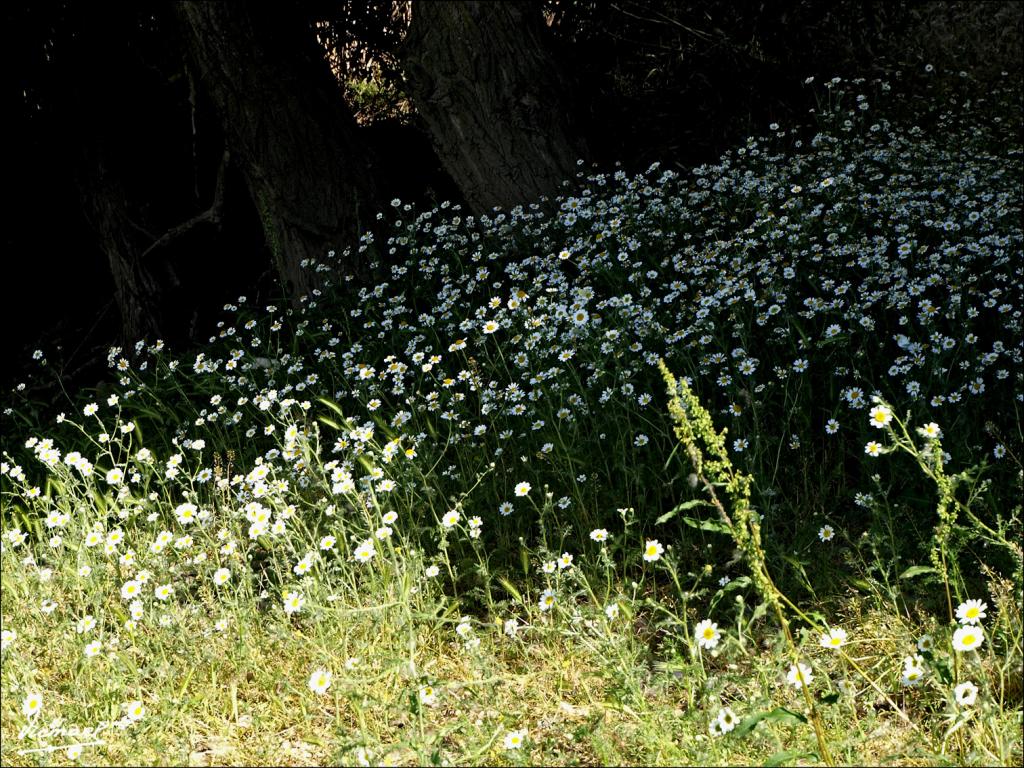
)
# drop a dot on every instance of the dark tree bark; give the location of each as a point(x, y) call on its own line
point(100, 118)
point(103, 94)
point(137, 290)
point(287, 127)
point(493, 98)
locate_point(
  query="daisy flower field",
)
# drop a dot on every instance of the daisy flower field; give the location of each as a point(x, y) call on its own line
point(704, 466)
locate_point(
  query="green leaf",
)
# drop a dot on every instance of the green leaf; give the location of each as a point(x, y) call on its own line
point(816, 616)
point(796, 562)
point(668, 461)
point(100, 500)
point(760, 611)
point(679, 508)
point(942, 670)
point(715, 526)
point(781, 758)
point(333, 406)
point(917, 570)
point(777, 715)
point(665, 518)
point(737, 583)
point(862, 584)
point(329, 422)
point(188, 679)
point(510, 588)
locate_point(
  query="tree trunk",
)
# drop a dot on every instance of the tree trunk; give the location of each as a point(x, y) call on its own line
point(99, 118)
point(137, 291)
point(288, 129)
point(493, 98)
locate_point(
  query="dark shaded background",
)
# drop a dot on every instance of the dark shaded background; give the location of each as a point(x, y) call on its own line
point(654, 81)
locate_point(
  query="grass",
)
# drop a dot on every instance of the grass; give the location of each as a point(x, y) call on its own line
point(240, 698)
point(601, 481)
